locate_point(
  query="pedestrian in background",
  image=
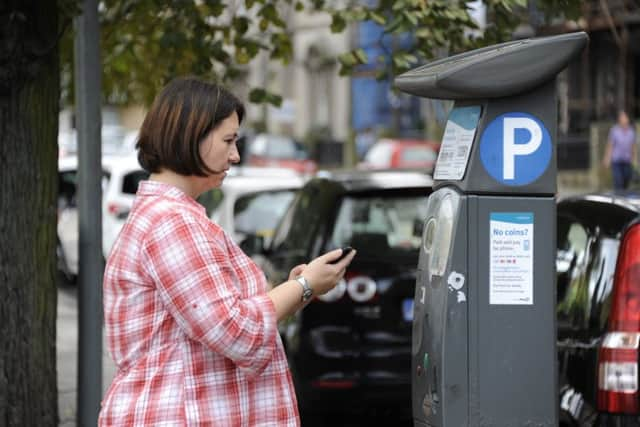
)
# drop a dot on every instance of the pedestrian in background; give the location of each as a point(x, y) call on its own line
point(621, 151)
point(189, 319)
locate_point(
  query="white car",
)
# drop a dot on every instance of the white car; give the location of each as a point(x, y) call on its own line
point(251, 200)
point(118, 195)
point(67, 227)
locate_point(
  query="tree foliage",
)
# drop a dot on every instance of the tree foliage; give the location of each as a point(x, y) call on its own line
point(145, 43)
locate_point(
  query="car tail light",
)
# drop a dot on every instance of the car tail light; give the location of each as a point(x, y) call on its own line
point(361, 288)
point(118, 210)
point(618, 354)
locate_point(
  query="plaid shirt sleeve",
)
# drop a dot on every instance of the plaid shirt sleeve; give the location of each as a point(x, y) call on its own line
point(190, 266)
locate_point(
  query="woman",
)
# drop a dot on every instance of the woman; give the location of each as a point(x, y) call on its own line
point(620, 153)
point(189, 321)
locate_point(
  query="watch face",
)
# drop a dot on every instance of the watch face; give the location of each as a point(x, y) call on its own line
point(307, 294)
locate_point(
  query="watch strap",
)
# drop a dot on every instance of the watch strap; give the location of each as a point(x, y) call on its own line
point(307, 292)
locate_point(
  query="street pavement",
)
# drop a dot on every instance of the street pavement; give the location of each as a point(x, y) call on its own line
point(67, 352)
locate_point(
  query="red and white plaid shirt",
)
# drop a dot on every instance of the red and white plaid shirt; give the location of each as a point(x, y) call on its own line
point(189, 324)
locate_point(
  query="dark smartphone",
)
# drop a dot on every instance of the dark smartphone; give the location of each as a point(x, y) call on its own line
point(345, 252)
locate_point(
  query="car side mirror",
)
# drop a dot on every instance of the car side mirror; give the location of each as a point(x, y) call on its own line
point(253, 244)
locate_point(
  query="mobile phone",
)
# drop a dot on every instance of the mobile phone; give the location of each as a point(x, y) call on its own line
point(345, 252)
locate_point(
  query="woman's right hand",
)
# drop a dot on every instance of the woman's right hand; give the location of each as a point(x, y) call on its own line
point(324, 276)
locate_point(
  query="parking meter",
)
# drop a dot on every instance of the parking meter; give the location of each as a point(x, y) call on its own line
point(484, 332)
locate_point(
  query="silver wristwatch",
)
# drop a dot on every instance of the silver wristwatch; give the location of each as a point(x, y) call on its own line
point(307, 292)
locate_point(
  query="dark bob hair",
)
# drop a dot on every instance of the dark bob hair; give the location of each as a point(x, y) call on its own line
point(179, 119)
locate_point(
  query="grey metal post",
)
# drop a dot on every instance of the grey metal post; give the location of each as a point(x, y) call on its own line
point(88, 124)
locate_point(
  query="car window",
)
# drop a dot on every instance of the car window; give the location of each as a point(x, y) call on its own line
point(131, 181)
point(282, 148)
point(585, 266)
point(300, 222)
point(67, 186)
point(379, 224)
point(259, 213)
point(211, 200)
point(418, 154)
point(258, 146)
point(67, 189)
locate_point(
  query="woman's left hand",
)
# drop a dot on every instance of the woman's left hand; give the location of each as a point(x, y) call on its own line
point(296, 271)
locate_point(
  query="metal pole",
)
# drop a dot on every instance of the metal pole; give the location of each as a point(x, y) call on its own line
point(88, 124)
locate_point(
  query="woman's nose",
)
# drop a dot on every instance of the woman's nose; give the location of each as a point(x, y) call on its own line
point(234, 156)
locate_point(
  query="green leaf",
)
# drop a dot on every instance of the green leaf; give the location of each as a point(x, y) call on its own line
point(264, 24)
point(360, 56)
point(318, 4)
point(377, 18)
point(260, 96)
point(241, 24)
point(410, 17)
point(393, 25)
point(257, 95)
point(338, 23)
point(216, 8)
point(274, 99)
point(382, 74)
point(242, 57)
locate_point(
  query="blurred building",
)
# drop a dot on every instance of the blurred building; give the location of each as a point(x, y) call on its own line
point(315, 98)
point(603, 80)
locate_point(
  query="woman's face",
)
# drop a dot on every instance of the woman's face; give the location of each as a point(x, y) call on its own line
point(623, 119)
point(218, 151)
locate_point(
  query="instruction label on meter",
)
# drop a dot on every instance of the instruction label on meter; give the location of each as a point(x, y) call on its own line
point(511, 258)
point(457, 141)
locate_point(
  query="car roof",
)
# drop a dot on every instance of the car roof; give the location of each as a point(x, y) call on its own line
point(407, 142)
point(363, 180)
point(247, 184)
point(629, 200)
point(121, 163)
point(261, 171)
point(110, 163)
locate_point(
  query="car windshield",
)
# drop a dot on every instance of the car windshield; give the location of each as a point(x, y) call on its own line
point(259, 213)
point(418, 154)
point(277, 147)
point(284, 148)
point(376, 225)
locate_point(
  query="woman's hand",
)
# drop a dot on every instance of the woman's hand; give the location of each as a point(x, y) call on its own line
point(296, 271)
point(321, 276)
point(324, 276)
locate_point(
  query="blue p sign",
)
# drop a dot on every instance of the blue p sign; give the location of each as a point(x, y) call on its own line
point(515, 148)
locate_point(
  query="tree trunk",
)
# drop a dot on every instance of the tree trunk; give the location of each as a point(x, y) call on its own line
point(29, 96)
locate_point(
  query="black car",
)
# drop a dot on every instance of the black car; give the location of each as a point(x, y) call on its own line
point(349, 350)
point(598, 311)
